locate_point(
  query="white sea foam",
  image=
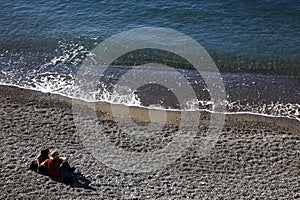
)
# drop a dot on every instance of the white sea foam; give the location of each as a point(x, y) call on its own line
point(56, 78)
point(57, 85)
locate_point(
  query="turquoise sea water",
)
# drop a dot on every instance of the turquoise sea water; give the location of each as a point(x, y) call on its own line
point(42, 43)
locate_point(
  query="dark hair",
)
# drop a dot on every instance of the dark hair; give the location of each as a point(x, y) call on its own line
point(45, 152)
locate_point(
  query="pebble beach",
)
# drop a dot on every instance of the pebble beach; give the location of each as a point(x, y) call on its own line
point(254, 157)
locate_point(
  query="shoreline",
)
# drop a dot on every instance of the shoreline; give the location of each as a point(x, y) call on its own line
point(254, 157)
point(140, 114)
point(268, 95)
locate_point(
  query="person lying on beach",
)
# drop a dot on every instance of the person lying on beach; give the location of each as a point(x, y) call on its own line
point(58, 167)
point(44, 155)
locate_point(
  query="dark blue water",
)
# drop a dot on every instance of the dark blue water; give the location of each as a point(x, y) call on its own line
point(43, 42)
point(257, 35)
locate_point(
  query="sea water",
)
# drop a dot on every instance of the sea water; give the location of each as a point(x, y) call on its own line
point(255, 45)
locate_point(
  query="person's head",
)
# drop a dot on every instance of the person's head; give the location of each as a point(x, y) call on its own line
point(45, 152)
point(55, 154)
